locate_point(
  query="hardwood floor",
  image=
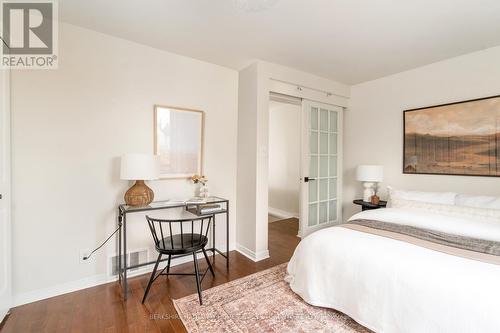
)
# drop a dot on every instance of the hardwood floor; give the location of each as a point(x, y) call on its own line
point(101, 309)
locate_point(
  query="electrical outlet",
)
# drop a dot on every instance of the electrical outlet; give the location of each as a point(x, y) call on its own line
point(84, 253)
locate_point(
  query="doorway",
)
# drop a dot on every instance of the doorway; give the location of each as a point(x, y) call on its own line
point(305, 165)
point(284, 168)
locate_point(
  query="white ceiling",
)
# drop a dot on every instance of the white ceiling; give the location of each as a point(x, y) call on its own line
point(350, 41)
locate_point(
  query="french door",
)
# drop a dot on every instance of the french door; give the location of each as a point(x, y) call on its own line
point(321, 168)
point(5, 227)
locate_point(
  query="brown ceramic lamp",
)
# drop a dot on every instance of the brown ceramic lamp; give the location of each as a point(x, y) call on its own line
point(139, 167)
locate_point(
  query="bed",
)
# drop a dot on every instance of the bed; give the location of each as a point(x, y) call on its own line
point(389, 280)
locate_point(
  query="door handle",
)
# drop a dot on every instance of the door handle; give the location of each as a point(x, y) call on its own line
point(307, 179)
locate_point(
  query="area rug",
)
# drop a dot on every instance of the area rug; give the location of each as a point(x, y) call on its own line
point(261, 302)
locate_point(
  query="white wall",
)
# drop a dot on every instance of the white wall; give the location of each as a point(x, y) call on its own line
point(5, 201)
point(246, 171)
point(374, 121)
point(284, 159)
point(69, 128)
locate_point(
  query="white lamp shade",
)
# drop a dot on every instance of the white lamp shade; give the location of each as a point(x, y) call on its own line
point(140, 167)
point(370, 173)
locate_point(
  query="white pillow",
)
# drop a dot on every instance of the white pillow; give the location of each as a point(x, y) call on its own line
point(450, 210)
point(477, 201)
point(446, 198)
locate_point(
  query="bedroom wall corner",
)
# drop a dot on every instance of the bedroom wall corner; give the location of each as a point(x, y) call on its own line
point(374, 122)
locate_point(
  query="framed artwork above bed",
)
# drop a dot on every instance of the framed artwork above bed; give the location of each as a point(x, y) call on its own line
point(460, 138)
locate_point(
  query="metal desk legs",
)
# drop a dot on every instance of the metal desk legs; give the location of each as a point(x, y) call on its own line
point(122, 256)
point(119, 247)
point(227, 235)
point(213, 239)
point(125, 282)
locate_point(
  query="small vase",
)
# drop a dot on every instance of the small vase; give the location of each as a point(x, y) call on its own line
point(204, 191)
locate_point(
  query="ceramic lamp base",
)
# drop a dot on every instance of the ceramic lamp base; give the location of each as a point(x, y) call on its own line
point(139, 195)
point(369, 191)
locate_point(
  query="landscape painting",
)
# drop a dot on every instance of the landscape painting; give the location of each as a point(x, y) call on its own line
point(454, 139)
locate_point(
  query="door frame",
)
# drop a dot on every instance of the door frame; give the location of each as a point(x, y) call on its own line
point(304, 230)
point(5, 177)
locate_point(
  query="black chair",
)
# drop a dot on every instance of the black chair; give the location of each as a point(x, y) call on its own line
point(170, 244)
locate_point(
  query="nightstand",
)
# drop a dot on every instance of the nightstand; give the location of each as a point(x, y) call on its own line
point(367, 205)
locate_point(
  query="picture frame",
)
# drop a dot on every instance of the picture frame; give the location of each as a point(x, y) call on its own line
point(460, 138)
point(179, 141)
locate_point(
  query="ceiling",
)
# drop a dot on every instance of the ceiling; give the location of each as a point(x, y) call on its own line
point(350, 41)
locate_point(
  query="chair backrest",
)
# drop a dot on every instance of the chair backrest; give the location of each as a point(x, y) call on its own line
point(161, 230)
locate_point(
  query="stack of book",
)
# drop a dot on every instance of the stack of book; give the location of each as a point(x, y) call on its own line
point(205, 209)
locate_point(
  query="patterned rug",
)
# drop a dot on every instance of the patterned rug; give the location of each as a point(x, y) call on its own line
point(261, 302)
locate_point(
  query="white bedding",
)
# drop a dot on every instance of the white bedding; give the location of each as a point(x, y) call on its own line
point(392, 286)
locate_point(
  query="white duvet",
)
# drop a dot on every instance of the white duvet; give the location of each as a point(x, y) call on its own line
point(392, 286)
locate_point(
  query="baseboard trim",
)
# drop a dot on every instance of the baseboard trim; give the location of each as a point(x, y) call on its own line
point(60, 289)
point(4, 317)
point(252, 255)
point(88, 282)
point(282, 214)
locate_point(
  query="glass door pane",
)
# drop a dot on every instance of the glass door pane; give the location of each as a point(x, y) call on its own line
point(323, 171)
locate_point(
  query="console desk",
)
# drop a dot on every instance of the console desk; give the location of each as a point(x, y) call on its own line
point(124, 210)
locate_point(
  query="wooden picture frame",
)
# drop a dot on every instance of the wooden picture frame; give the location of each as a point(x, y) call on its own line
point(461, 138)
point(179, 141)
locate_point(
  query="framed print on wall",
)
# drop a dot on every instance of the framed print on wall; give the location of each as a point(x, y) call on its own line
point(453, 139)
point(178, 140)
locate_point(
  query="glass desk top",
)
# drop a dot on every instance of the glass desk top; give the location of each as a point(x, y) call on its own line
point(172, 204)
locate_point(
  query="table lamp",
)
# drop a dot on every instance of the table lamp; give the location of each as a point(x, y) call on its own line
point(369, 175)
point(139, 167)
